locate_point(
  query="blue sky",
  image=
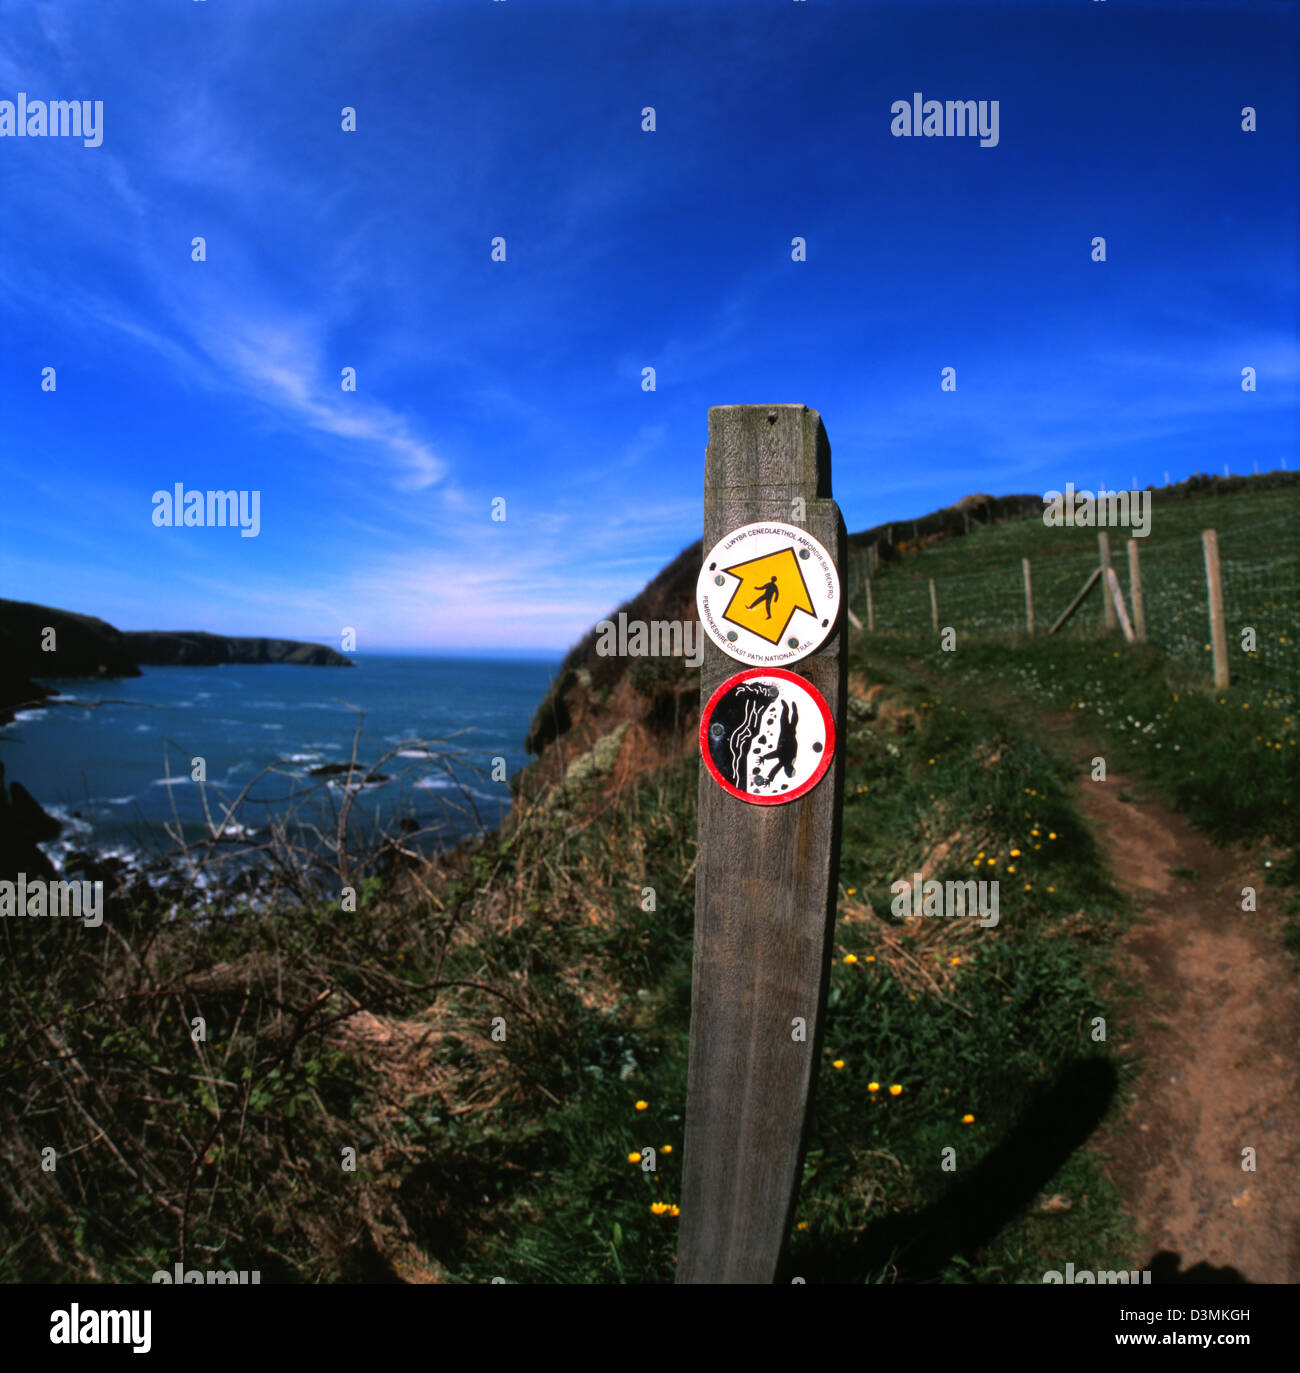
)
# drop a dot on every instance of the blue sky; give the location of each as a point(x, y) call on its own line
point(625, 249)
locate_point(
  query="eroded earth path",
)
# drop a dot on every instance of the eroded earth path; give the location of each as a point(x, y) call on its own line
point(1215, 1031)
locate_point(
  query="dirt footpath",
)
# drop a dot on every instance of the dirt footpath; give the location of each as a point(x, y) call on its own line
point(1216, 1035)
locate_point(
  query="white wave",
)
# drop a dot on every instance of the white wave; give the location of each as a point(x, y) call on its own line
point(68, 820)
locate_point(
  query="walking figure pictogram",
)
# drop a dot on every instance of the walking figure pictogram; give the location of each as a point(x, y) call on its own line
point(768, 594)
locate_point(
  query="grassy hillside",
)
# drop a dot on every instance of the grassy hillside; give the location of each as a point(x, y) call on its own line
point(496, 1034)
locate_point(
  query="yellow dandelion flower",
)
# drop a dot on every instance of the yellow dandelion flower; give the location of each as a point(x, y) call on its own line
point(674, 1210)
point(1051, 834)
point(803, 1225)
point(634, 1158)
point(839, 1063)
point(1015, 853)
point(850, 958)
point(873, 1086)
point(641, 1105)
point(657, 1208)
point(1012, 868)
point(667, 1149)
point(968, 1120)
point(871, 958)
point(853, 891)
point(895, 1090)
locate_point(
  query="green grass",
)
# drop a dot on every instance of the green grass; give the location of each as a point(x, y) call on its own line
point(1008, 1041)
point(980, 587)
point(510, 1158)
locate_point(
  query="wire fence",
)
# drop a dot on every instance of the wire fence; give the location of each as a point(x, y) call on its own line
point(1260, 573)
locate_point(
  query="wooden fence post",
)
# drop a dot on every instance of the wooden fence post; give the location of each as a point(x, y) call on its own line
point(1214, 585)
point(1077, 602)
point(1135, 591)
point(871, 609)
point(1117, 596)
point(934, 606)
point(765, 897)
point(1029, 596)
point(1107, 605)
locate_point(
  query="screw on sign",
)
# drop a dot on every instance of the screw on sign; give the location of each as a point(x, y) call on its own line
point(767, 736)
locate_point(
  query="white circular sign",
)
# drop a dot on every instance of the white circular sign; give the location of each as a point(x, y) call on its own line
point(767, 736)
point(768, 593)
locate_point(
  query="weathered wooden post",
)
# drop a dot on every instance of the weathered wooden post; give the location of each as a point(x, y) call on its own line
point(1069, 610)
point(1107, 605)
point(1214, 586)
point(765, 890)
point(871, 607)
point(934, 606)
point(1135, 591)
point(1029, 596)
point(1117, 598)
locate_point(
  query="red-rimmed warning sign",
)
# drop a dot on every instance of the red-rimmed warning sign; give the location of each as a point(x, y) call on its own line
point(767, 736)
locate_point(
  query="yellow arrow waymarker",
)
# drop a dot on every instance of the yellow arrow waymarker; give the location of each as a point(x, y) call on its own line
point(771, 589)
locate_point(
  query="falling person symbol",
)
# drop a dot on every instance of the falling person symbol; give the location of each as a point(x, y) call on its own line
point(787, 744)
point(767, 594)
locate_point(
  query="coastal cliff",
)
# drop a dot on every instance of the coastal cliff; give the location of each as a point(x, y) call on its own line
point(194, 648)
point(39, 643)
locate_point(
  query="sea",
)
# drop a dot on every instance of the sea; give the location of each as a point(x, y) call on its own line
point(434, 738)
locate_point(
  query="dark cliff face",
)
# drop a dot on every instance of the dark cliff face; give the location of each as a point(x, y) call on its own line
point(634, 714)
point(23, 825)
point(80, 645)
point(193, 648)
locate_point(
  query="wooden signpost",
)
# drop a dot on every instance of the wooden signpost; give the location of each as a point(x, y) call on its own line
point(765, 896)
